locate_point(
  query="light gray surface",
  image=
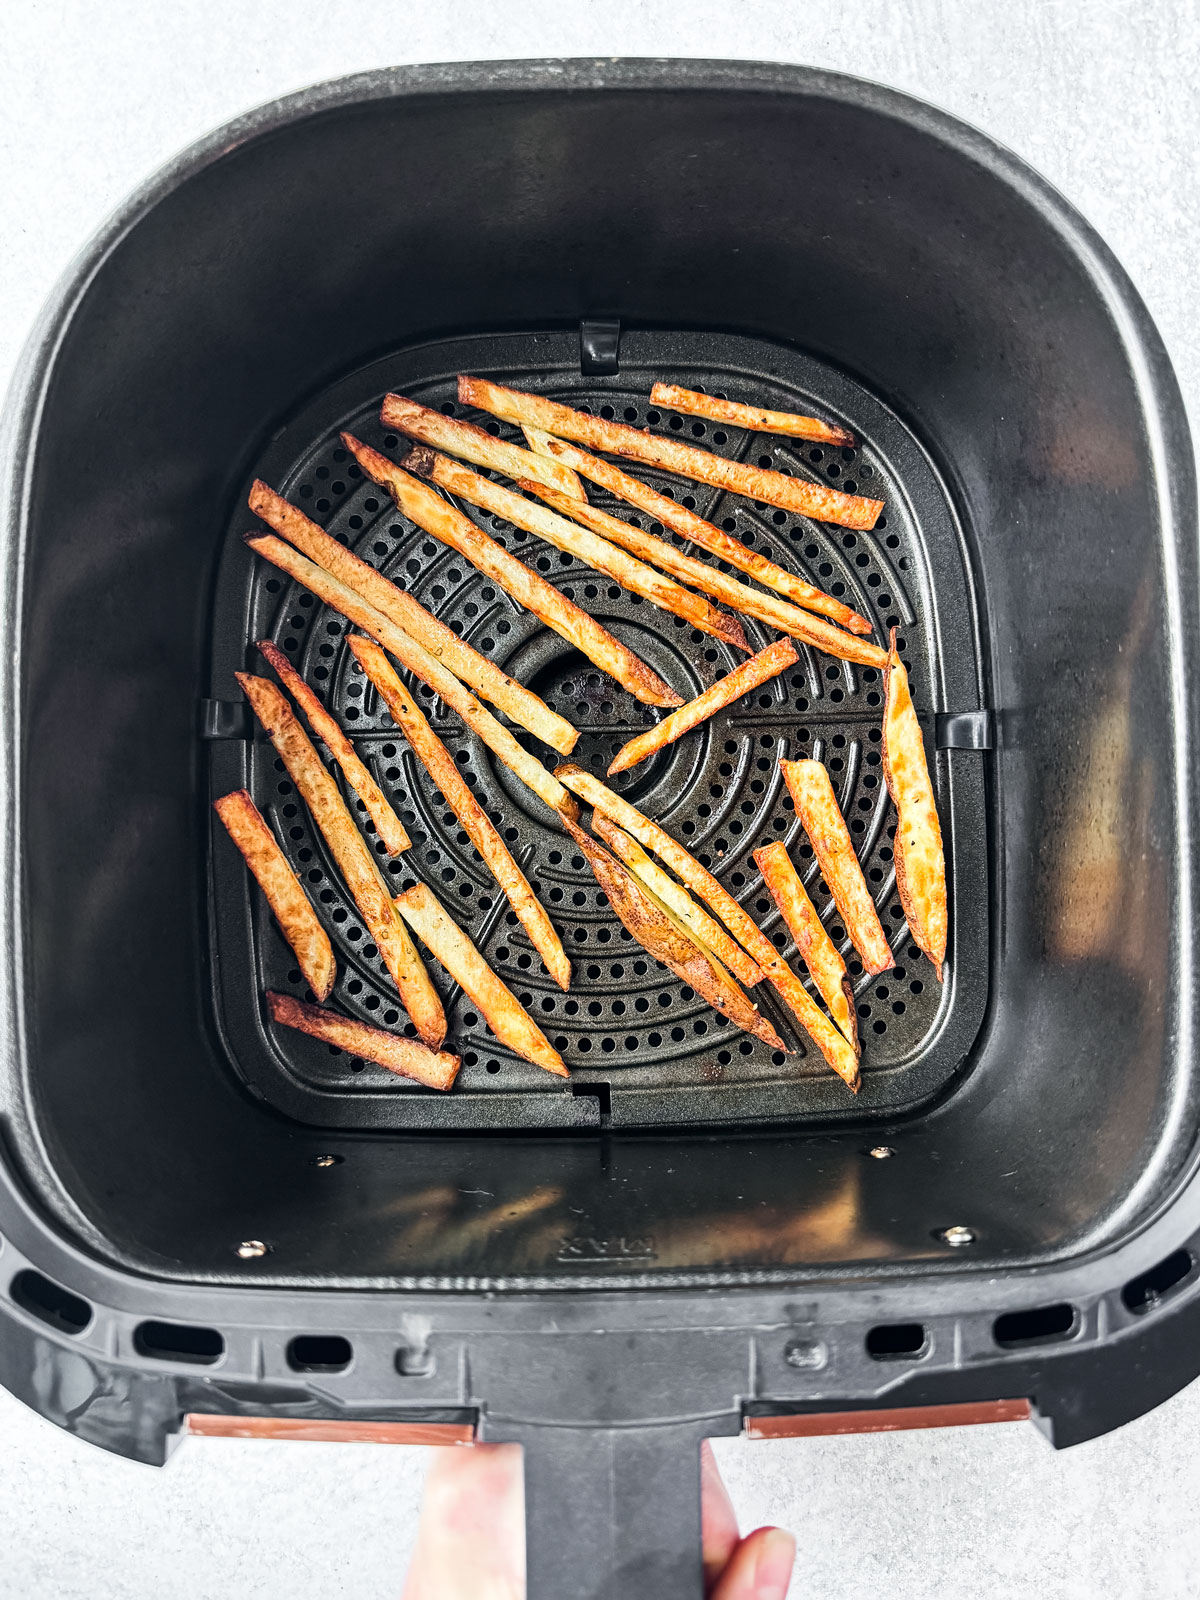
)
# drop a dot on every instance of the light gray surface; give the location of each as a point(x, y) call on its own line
point(1105, 100)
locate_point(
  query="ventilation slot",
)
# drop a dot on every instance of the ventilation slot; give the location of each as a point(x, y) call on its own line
point(1145, 1293)
point(599, 1092)
point(54, 1305)
point(319, 1352)
point(175, 1341)
point(414, 1361)
point(1040, 1326)
point(897, 1341)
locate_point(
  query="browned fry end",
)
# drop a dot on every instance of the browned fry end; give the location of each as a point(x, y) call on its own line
point(285, 894)
point(408, 1058)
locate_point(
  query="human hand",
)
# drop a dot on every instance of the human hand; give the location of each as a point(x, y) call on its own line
point(471, 1539)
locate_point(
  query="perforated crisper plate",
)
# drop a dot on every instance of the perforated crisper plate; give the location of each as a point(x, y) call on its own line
point(642, 1049)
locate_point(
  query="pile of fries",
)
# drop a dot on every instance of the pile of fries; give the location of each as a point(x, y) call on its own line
point(670, 903)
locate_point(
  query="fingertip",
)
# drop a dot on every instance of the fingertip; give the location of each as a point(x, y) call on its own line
point(718, 1518)
point(775, 1556)
point(760, 1568)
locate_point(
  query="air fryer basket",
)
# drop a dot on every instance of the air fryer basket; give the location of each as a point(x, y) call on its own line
point(641, 1051)
point(197, 1216)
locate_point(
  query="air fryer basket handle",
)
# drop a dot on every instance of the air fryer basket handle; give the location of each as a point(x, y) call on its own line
point(613, 1513)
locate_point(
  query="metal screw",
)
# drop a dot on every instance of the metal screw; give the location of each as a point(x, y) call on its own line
point(326, 1161)
point(881, 1151)
point(957, 1235)
point(251, 1249)
point(808, 1354)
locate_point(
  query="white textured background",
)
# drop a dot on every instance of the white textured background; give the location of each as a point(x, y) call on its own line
point(1104, 98)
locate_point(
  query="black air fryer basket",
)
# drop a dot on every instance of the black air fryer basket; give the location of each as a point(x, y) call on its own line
point(199, 1216)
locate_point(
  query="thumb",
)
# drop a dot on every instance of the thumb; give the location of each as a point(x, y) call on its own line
point(760, 1568)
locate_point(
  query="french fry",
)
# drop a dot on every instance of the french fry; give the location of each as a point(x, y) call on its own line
point(442, 768)
point(671, 455)
point(816, 805)
point(920, 859)
point(436, 1069)
point(677, 901)
point(706, 534)
point(816, 949)
point(464, 439)
point(355, 862)
point(387, 824)
point(502, 1011)
point(417, 659)
point(831, 1042)
point(767, 664)
point(776, 613)
point(292, 908)
point(475, 670)
point(608, 558)
point(702, 883)
point(668, 943)
point(428, 510)
point(754, 418)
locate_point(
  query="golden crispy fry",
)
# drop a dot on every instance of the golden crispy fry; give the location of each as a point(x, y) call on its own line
point(473, 444)
point(767, 664)
point(671, 455)
point(754, 418)
point(292, 908)
point(480, 674)
point(676, 901)
point(608, 558)
point(832, 1043)
point(816, 806)
point(816, 949)
point(418, 661)
point(387, 824)
point(442, 768)
point(920, 860)
point(436, 1069)
point(355, 862)
point(502, 1011)
point(684, 865)
point(706, 534)
point(781, 614)
point(428, 510)
point(667, 942)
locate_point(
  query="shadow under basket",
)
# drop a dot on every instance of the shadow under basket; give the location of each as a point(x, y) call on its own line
point(200, 1215)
